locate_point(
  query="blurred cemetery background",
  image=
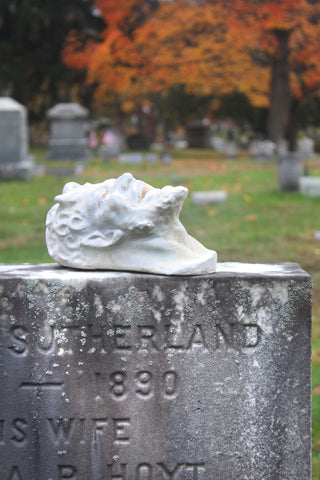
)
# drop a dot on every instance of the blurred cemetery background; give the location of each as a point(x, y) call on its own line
point(220, 96)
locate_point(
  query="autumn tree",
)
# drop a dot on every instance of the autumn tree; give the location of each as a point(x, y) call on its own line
point(284, 36)
point(114, 62)
point(265, 49)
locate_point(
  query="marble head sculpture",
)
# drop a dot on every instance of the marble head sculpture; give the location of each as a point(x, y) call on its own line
point(124, 224)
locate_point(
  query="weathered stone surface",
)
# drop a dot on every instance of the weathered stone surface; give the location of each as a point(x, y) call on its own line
point(124, 376)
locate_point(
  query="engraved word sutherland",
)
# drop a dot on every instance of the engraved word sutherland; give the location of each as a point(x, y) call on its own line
point(128, 376)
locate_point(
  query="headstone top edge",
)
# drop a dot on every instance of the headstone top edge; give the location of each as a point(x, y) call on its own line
point(67, 111)
point(8, 104)
point(225, 269)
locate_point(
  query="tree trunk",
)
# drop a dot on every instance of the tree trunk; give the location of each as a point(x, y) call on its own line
point(292, 125)
point(280, 95)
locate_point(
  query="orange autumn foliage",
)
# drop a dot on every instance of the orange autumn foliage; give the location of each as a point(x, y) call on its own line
point(208, 46)
point(112, 62)
point(257, 23)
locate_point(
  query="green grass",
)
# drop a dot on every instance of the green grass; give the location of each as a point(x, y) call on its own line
point(256, 224)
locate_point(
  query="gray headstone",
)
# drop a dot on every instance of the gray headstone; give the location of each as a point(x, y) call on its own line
point(289, 171)
point(262, 150)
point(180, 144)
point(207, 197)
point(306, 147)
point(218, 144)
point(133, 158)
point(15, 163)
point(151, 158)
point(198, 134)
point(125, 376)
point(231, 149)
point(310, 186)
point(67, 132)
point(166, 158)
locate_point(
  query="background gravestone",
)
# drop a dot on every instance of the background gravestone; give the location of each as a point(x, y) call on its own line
point(67, 132)
point(306, 147)
point(127, 376)
point(262, 150)
point(218, 144)
point(15, 163)
point(199, 134)
point(290, 170)
point(231, 149)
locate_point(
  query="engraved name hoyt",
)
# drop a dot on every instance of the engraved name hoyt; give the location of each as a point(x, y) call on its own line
point(122, 471)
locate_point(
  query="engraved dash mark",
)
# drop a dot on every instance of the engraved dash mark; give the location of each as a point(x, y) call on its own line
point(38, 385)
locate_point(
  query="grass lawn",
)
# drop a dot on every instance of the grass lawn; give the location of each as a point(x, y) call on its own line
point(256, 224)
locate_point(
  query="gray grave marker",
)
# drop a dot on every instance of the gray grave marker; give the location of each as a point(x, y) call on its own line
point(151, 158)
point(231, 149)
point(218, 144)
point(15, 163)
point(67, 132)
point(310, 186)
point(115, 375)
point(132, 158)
point(306, 147)
point(262, 150)
point(210, 196)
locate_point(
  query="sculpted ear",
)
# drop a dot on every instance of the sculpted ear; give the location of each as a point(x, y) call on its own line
point(97, 240)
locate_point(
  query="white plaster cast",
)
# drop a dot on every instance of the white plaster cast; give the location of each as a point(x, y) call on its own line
point(124, 224)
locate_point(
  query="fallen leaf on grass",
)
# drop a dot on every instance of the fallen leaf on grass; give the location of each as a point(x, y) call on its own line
point(3, 245)
point(238, 187)
point(251, 218)
point(42, 201)
point(316, 390)
point(247, 198)
point(26, 201)
point(211, 213)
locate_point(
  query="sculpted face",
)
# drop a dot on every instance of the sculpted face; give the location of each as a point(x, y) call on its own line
point(123, 224)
